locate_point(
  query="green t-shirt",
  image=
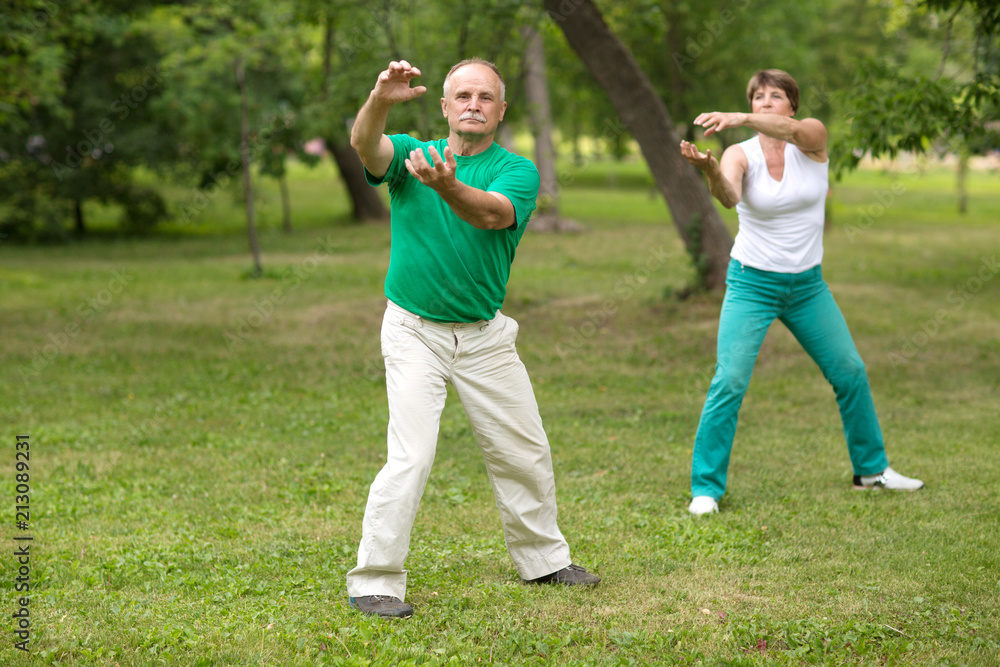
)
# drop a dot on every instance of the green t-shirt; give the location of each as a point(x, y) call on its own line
point(441, 267)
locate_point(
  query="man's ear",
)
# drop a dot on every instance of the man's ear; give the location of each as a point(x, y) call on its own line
point(444, 107)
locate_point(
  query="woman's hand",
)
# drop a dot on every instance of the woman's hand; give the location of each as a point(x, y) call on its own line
point(714, 121)
point(703, 161)
point(725, 178)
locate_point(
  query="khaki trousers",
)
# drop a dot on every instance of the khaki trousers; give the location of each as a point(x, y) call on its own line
point(481, 362)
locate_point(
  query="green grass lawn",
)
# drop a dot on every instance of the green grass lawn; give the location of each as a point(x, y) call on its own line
point(202, 445)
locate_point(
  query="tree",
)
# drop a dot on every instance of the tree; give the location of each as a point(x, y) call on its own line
point(896, 105)
point(536, 92)
point(701, 228)
point(366, 204)
point(258, 268)
point(235, 80)
point(698, 57)
point(78, 85)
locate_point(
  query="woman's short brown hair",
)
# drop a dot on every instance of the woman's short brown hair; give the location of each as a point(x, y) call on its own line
point(778, 79)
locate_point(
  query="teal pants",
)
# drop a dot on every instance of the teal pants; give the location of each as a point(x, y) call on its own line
point(804, 304)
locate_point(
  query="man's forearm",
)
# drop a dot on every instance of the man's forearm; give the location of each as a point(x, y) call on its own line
point(479, 208)
point(369, 128)
point(369, 125)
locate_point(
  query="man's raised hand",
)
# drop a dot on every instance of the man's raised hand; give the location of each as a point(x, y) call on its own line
point(393, 84)
point(438, 172)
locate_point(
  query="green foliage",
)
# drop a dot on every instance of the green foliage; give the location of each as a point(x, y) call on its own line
point(987, 12)
point(202, 44)
point(31, 207)
point(30, 64)
point(700, 57)
point(899, 103)
point(77, 113)
point(143, 207)
point(888, 113)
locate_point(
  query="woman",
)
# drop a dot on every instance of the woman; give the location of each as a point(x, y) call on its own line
point(778, 183)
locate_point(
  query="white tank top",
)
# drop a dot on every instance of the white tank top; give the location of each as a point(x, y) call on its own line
point(781, 222)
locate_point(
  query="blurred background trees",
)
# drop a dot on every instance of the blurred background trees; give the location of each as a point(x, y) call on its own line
point(77, 82)
point(95, 95)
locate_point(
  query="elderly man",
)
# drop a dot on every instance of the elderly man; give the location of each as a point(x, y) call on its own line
point(459, 208)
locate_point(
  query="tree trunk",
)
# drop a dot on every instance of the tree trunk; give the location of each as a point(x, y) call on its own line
point(962, 176)
point(366, 203)
point(828, 212)
point(286, 204)
point(536, 92)
point(258, 269)
point(678, 83)
point(79, 228)
point(645, 116)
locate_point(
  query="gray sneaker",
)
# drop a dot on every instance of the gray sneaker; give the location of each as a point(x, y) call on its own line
point(385, 606)
point(572, 575)
point(887, 479)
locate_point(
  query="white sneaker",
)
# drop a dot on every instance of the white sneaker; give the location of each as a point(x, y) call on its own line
point(887, 479)
point(703, 505)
